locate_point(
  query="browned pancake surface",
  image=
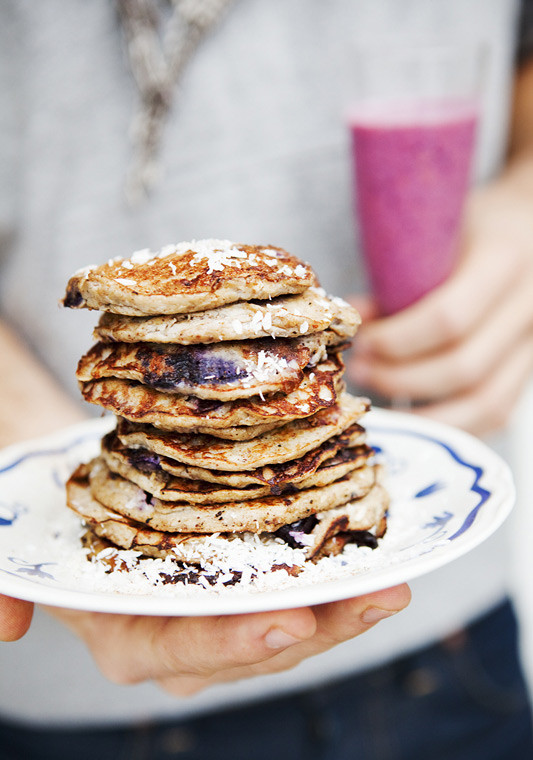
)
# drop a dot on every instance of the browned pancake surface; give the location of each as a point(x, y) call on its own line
point(154, 474)
point(349, 445)
point(283, 317)
point(320, 535)
point(188, 277)
point(256, 515)
point(136, 402)
point(229, 370)
point(277, 446)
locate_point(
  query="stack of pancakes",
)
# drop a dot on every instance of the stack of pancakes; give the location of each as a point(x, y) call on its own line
point(222, 364)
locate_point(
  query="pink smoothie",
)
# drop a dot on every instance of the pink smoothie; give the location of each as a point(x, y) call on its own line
point(411, 175)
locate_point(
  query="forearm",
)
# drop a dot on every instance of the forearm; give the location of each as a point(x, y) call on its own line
point(505, 205)
point(31, 401)
point(521, 128)
point(516, 176)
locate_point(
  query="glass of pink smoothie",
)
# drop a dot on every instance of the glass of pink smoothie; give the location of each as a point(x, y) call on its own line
point(413, 130)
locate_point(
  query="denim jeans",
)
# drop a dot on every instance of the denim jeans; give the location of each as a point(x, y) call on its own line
point(463, 699)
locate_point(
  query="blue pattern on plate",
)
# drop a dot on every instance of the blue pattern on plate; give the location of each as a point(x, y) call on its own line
point(31, 568)
point(48, 452)
point(428, 490)
point(476, 488)
point(439, 522)
point(10, 513)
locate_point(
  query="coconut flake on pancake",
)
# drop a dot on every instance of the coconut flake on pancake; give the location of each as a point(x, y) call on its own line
point(229, 552)
point(283, 317)
point(225, 371)
point(188, 277)
point(136, 402)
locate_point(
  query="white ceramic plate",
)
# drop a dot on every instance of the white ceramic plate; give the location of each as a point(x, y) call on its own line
point(449, 493)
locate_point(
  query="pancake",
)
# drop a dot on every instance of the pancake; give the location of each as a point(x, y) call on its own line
point(256, 515)
point(280, 445)
point(169, 487)
point(237, 433)
point(365, 514)
point(281, 317)
point(276, 476)
point(299, 473)
point(225, 371)
point(188, 277)
point(327, 533)
point(136, 402)
point(124, 533)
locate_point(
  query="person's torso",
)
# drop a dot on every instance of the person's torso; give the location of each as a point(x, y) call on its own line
point(256, 150)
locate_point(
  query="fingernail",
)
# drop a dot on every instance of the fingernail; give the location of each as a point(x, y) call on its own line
point(278, 639)
point(375, 614)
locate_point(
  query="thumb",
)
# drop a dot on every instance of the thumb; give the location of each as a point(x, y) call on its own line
point(15, 618)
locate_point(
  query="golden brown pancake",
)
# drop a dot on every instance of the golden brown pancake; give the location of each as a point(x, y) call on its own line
point(132, 465)
point(280, 445)
point(256, 515)
point(277, 476)
point(322, 534)
point(225, 371)
point(139, 403)
point(188, 277)
point(283, 317)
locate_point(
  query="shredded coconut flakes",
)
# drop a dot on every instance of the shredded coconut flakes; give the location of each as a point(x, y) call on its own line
point(219, 253)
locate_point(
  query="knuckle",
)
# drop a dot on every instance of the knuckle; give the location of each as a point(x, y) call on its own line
point(118, 672)
point(386, 380)
point(177, 666)
point(344, 622)
point(384, 345)
point(464, 371)
point(449, 322)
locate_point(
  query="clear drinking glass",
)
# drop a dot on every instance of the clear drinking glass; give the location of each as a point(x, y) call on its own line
point(413, 122)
